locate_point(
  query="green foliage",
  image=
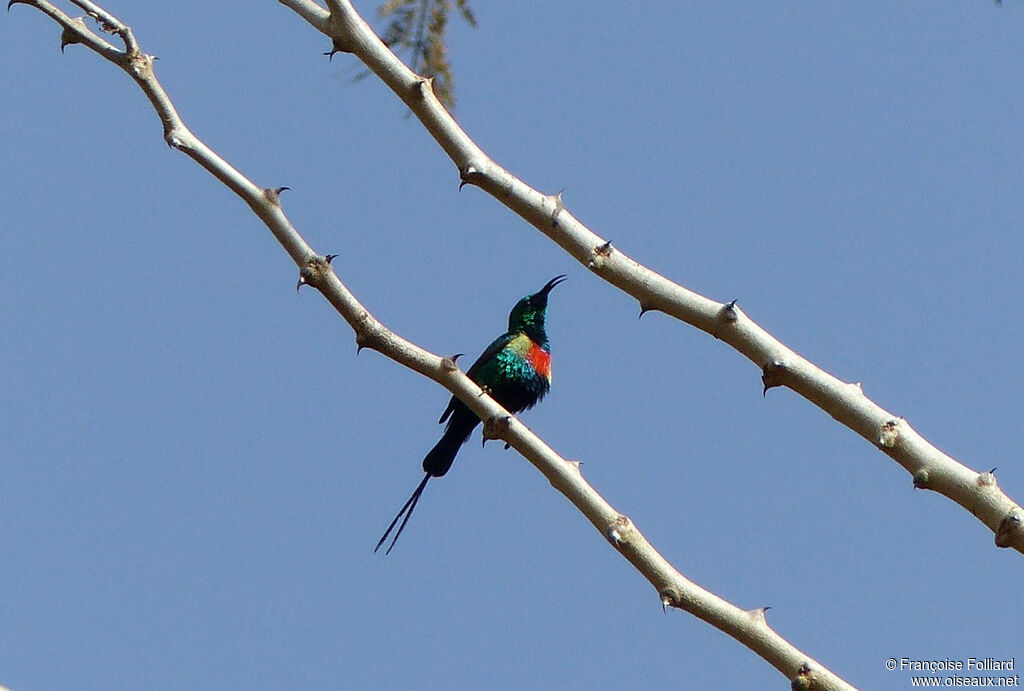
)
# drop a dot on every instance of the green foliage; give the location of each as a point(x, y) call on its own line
point(419, 26)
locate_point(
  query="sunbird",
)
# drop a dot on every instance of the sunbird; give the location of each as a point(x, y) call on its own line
point(515, 370)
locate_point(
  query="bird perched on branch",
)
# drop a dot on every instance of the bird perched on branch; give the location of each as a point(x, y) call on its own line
point(515, 370)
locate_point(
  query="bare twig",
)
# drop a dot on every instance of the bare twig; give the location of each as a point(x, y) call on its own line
point(780, 366)
point(748, 627)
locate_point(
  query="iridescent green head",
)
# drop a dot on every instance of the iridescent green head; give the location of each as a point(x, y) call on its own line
point(528, 314)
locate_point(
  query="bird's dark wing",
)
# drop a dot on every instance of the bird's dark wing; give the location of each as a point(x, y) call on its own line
point(474, 369)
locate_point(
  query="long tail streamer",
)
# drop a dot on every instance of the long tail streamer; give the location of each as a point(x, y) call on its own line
point(407, 510)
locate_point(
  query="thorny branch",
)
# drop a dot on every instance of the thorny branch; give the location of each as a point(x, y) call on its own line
point(929, 467)
point(748, 627)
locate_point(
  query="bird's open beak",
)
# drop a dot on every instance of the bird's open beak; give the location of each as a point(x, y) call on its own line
point(551, 284)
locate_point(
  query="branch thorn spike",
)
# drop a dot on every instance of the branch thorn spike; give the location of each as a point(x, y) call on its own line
point(770, 375)
point(274, 194)
point(466, 175)
point(173, 139)
point(337, 46)
point(889, 434)
point(616, 531)
point(804, 680)
point(67, 36)
point(599, 254)
point(986, 479)
point(1010, 529)
point(729, 312)
point(424, 86)
point(494, 426)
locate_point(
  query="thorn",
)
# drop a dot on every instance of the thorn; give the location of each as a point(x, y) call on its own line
point(616, 532)
point(336, 47)
point(599, 255)
point(467, 175)
point(802, 681)
point(173, 139)
point(314, 271)
point(494, 427)
point(15, 2)
point(423, 87)
point(771, 375)
point(889, 434)
point(1010, 529)
point(448, 363)
point(67, 37)
point(728, 312)
point(330, 257)
point(644, 309)
point(986, 480)
point(667, 598)
point(361, 342)
point(274, 194)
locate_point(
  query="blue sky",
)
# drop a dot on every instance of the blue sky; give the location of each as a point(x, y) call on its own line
point(196, 466)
